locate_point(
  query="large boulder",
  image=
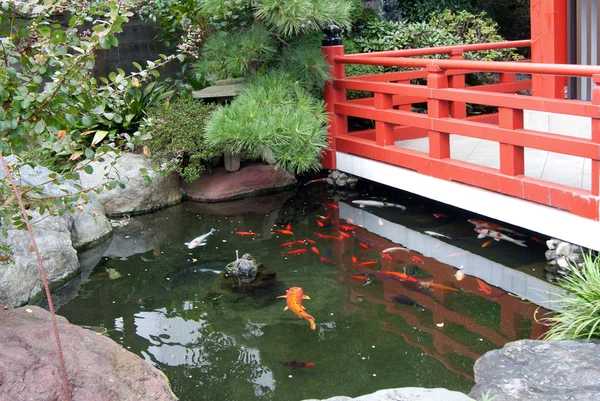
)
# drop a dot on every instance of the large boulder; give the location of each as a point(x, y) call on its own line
point(20, 281)
point(56, 237)
point(137, 196)
point(530, 370)
point(98, 369)
point(406, 394)
point(251, 180)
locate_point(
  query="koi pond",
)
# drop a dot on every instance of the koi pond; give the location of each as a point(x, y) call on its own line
point(424, 326)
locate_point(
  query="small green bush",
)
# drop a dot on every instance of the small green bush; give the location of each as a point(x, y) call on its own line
point(273, 118)
point(306, 64)
point(421, 10)
point(174, 134)
point(580, 314)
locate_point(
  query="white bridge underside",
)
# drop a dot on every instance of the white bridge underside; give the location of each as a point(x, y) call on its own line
point(532, 216)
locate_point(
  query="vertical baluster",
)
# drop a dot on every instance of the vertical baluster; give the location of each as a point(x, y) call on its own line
point(338, 124)
point(384, 132)
point(512, 160)
point(439, 142)
point(457, 109)
point(596, 136)
point(405, 107)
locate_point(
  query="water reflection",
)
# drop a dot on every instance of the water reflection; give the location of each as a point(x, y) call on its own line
point(387, 333)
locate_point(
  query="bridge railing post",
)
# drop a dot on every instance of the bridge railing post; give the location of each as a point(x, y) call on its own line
point(512, 158)
point(338, 124)
point(439, 142)
point(384, 132)
point(457, 109)
point(595, 188)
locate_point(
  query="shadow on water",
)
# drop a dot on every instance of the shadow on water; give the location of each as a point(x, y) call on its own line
point(164, 302)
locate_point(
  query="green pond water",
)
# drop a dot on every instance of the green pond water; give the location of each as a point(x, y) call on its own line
point(159, 299)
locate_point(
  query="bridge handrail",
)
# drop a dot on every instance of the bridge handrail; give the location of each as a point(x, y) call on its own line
point(428, 51)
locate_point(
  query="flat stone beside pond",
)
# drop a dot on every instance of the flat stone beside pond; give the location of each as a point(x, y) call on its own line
point(98, 369)
point(406, 394)
point(530, 370)
point(251, 180)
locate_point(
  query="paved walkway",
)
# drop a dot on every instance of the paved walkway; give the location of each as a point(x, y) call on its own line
point(555, 167)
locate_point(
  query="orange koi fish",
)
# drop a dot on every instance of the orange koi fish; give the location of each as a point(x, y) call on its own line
point(367, 263)
point(349, 220)
point(484, 287)
point(288, 243)
point(314, 249)
point(333, 205)
point(323, 236)
point(286, 232)
point(320, 223)
point(429, 284)
point(417, 259)
point(324, 259)
point(295, 251)
point(354, 260)
point(294, 297)
point(364, 245)
point(487, 243)
point(400, 276)
point(288, 227)
point(247, 233)
point(536, 239)
point(362, 278)
point(345, 227)
point(343, 234)
point(310, 241)
point(385, 256)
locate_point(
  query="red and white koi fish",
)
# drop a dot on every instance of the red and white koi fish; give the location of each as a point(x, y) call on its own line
point(199, 241)
point(294, 297)
point(486, 232)
point(493, 226)
point(434, 234)
point(440, 215)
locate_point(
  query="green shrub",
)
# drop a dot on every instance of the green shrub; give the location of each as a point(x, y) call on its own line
point(580, 314)
point(421, 10)
point(474, 28)
point(235, 55)
point(273, 118)
point(174, 134)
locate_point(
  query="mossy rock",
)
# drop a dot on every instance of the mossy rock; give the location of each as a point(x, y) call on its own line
point(265, 278)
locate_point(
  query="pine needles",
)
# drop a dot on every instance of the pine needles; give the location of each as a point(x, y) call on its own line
point(580, 316)
point(273, 115)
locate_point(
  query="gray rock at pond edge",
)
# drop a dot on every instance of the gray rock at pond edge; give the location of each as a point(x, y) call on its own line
point(530, 370)
point(21, 281)
point(98, 369)
point(55, 236)
point(406, 394)
point(137, 196)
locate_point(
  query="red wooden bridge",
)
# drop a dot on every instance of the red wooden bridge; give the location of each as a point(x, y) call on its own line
point(538, 165)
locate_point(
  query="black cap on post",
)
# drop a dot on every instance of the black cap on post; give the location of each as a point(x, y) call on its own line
point(333, 36)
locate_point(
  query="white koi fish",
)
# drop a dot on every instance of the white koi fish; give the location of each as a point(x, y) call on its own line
point(486, 232)
point(434, 234)
point(493, 226)
point(395, 248)
point(363, 203)
point(199, 241)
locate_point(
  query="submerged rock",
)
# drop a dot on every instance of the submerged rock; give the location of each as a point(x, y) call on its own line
point(98, 369)
point(251, 180)
point(562, 257)
point(406, 394)
point(530, 370)
point(264, 278)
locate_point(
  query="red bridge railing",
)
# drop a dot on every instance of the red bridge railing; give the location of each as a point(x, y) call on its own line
point(447, 96)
